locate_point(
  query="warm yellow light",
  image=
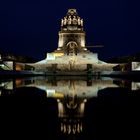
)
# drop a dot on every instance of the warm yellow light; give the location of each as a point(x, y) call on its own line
point(58, 95)
point(19, 67)
point(18, 82)
point(60, 44)
point(58, 54)
point(83, 42)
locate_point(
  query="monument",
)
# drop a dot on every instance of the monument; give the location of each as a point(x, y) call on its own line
point(72, 55)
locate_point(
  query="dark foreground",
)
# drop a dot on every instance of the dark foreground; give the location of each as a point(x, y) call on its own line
point(26, 112)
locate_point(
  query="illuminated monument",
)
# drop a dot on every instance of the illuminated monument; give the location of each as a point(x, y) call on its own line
point(72, 55)
point(71, 36)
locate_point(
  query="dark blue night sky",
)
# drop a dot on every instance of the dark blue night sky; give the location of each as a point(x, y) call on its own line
point(30, 27)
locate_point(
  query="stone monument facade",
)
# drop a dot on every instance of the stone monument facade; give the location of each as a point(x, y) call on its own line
point(71, 36)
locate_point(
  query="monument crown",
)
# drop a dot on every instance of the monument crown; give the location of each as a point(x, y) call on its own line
point(72, 21)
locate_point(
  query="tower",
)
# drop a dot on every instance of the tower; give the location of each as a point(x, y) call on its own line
point(72, 35)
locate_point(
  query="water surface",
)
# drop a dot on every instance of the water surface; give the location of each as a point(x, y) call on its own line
point(78, 108)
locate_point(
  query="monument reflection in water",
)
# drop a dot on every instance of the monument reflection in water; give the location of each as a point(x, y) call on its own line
point(71, 95)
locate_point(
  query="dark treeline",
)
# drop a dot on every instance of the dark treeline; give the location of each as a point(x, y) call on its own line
point(125, 59)
point(17, 58)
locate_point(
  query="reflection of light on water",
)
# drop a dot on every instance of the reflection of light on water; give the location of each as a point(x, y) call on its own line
point(2, 84)
point(71, 126)
point(50, 92)
point(71, 96)
point(82, 108)
point(7, 85)
point(18, 82)
point(135, 85)
point(60, 109)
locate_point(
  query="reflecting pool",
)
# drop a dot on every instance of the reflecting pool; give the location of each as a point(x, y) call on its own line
point(69, 107)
